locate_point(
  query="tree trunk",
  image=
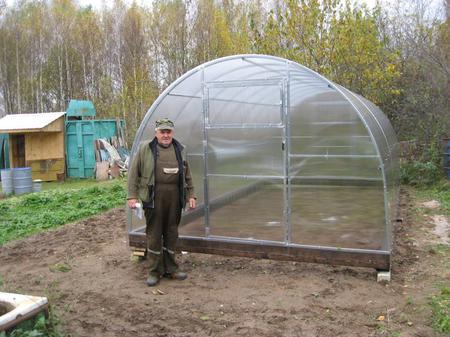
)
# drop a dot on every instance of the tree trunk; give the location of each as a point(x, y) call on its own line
point(68, 75)
point(19, 107)
point(61, 93)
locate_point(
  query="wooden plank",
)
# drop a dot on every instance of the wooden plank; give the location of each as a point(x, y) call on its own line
point(357, 258)
point(55, 126)
point(47, 170)
point(101, 170)
point(115, 170)
point(42, 146)
point(22, 318)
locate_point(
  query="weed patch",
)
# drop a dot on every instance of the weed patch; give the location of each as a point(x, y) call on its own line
point(440, 305)
point(39, 326)
point(420, 174)
point(61, 267)
point(36, 212)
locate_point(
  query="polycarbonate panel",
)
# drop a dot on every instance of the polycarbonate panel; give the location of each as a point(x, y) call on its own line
point(351, 168)
point(252, 208)
point(383, 120)
point(241, 105)
point(338, 216)
point(238, 111)
point(253, 152)
point(372, 123)
point(245, 69)
point(329, 140)
point(190, 86)
point(391, 167)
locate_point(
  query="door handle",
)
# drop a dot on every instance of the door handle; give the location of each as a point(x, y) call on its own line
point(80, 153)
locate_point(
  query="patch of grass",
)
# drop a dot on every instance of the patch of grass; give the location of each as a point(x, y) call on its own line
point(72, 183)
point(39, 326)
point(384, 330)
point(441, 250)
point(409, 301)
point(440, 305)
point(32, 213)
point(440, 192)
point(61, 267)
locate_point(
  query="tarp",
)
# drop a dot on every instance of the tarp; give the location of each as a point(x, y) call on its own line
point(4, 151)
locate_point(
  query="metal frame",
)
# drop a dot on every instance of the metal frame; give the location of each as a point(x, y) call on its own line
point(281, 83)
point(379, 259)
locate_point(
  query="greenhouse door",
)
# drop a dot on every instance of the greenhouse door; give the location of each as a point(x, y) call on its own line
point(245, 170)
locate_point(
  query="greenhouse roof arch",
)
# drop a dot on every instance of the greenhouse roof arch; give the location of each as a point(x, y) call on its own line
point(267, 126)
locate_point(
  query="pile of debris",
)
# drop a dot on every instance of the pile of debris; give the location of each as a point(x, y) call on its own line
point(112, 157)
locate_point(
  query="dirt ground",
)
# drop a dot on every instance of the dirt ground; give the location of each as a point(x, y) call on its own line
point(97, 289)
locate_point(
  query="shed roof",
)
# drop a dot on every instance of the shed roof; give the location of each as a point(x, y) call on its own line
point(28, 122)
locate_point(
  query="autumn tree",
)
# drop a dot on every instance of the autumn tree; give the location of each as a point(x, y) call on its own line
point(422, 111)
point(121, 56)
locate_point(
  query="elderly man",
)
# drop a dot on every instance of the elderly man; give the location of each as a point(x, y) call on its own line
point(159, 176)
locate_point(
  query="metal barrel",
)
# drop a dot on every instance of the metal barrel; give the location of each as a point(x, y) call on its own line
point(7, 181)
point(22, 180)
point(37, 185)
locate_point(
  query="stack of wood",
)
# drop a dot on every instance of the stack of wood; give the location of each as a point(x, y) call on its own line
point(111, 158)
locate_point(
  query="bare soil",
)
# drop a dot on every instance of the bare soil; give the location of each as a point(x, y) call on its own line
point(98, 289)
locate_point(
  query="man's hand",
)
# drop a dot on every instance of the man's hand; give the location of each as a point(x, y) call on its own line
point(192, 203)
point(132, 203)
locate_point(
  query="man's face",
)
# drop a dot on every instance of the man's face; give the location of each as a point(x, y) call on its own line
point(164, 137)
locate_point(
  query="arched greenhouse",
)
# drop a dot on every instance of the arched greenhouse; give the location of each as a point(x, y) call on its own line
point(286, 164)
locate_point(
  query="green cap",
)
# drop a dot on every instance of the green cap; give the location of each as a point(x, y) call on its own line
point(164, 124)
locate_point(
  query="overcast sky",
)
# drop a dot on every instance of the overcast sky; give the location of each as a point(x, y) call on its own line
point(98, 3)
point(370, 3)
point(433, 6)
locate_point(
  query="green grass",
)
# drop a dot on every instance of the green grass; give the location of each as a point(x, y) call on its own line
point(71, 183)
point(440, 192)
point(440, 305)
point(39, 326)
point(56, 205)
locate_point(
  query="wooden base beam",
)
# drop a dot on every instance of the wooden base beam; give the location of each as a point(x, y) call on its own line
point(379, 260)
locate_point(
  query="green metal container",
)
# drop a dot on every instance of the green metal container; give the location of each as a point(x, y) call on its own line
point(80, 149)
point(79, 108)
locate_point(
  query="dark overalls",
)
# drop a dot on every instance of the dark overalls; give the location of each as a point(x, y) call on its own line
point(162, 220)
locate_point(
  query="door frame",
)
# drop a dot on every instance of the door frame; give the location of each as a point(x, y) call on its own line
point(282, 83)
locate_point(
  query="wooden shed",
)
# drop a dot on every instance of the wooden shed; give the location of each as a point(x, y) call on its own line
point(36, 141)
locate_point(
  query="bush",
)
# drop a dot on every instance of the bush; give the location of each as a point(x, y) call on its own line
point(420, 174)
